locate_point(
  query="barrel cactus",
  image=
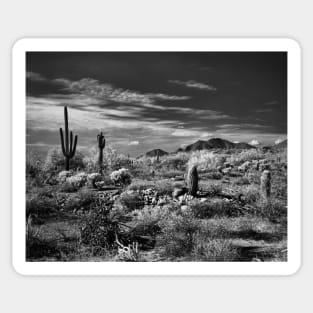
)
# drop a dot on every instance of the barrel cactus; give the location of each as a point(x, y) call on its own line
point(192, 180)
point(265, 188)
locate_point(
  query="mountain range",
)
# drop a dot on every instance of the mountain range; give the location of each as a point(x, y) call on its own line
point(215, 143)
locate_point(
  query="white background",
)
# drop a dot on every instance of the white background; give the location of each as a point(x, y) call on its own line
point(157, 19)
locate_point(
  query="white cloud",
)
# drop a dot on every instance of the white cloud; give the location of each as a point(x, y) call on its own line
point(271, 102)
point(254, 142)
point(35, 76)
point(279, 140)
point(134, 143)
point(94, 88)
point(194, 84)
point(206, 134)
point(264, 110)
point(196, 133)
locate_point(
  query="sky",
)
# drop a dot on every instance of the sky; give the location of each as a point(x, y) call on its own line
point(148, 100)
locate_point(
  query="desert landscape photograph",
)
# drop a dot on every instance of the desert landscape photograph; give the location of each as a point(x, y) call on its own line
point(156, 157)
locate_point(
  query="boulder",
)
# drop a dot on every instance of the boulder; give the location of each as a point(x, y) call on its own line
point(177, 192)
point(226, 170)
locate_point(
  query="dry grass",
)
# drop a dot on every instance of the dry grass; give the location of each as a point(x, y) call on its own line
point(217, 229)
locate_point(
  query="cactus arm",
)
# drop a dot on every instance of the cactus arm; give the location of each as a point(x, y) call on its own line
point(71, 142)
point(74, 147)
point(62, 141)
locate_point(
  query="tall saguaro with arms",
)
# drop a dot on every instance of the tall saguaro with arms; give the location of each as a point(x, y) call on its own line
point(69, 146)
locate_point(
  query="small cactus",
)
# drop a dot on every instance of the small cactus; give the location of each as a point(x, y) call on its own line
point(265, 188)
point(192, 180)
point(101, 145)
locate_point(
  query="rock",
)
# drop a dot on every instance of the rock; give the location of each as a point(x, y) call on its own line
point(202, 199)
point(162, 202)
point(184, 207)
point(226, 170)
point(182, 199)
point(244, 166)
point(177, 192)
point(220, 168)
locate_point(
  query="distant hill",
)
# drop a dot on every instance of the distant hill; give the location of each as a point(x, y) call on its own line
point(156, 152)
point(244, 145)
point(198, 145)
point(281, 145)
point(216, 143)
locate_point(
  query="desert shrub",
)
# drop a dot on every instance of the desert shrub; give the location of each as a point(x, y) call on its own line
point(171, 173)
point(211, 189)
point(140, 185)
point(250, 193)
point(131, 201)
point(35, 175)
point(41, 206)
point(245, 155)
point(178, 233)
point(37, 247)
point(46, 192)
point(280, 191)
point(55, 161)
point(63, 176)
point(274, 210)
point(175, 162)
point(214, 207)
point(242, 181)
point(150, 214)
point(214, 250)
point(84, 199)
point(93, 178)
point(279, 185)
point(234, 173)
point(103, 226)
point(33, 168)
point(77, 181)
point(164, 187)
point(203, 159)
point(213, 174)
point(254, 177)
point(114, 160)
point(67, 187)
point(147, 222)
point(121, 177)
point(141, 170)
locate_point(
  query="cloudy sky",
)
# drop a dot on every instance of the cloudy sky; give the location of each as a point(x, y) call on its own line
point(147, 100)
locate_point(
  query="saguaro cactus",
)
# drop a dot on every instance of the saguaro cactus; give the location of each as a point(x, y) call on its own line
point(158, 156)
point(265, 188)
point(192, 180)
point(101, 145)
point(68, 147)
